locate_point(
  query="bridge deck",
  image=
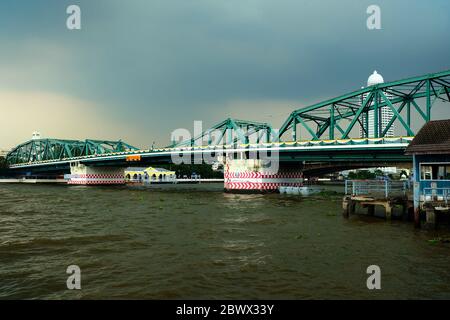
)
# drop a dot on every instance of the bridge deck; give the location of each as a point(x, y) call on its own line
point(368, 145)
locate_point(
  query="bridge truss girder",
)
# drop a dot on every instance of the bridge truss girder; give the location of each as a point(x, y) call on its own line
point(228, 132)
point(55, 149)
point(327, 116)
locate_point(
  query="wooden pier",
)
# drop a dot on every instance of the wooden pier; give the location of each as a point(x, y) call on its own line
point(435, 210)
point(371, 193)
point(349, 204)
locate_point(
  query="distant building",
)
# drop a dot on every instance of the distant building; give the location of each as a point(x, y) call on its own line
point(150, 175)
point(385, 115)
point(3, 152)
point(36, 135)
point(431, 166)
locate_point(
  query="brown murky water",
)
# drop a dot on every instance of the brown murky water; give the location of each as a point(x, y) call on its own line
point(194, 241)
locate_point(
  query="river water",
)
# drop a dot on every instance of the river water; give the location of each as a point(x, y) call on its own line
point(197, 242)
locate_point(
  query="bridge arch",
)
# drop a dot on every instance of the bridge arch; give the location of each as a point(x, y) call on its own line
point(336, 118)
point(228, 132)
point(57, 149)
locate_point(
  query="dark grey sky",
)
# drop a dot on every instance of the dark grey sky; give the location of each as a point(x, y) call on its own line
point(139, 69)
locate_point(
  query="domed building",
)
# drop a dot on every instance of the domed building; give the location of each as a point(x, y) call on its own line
point(374, 79)
point(385, 113)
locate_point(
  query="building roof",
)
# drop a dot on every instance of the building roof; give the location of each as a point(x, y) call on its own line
point(137, 169)
point(375, 78)
point(161, 170)
point(433, 138)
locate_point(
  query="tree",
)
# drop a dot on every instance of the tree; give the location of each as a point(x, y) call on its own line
point(361, 175)
point(3, 169)
point(2, 163)
point(379, 173)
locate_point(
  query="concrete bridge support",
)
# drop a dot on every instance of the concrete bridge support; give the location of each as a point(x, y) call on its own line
point(86, 175)
point(253, 175)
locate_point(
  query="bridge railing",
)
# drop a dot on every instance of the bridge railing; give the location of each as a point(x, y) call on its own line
point(304, 143)
point(377, 188)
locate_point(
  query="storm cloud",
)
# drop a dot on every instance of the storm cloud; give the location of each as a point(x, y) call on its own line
point(148, 67)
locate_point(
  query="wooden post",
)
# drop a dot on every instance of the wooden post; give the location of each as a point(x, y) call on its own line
point(346, 206)
point(388, 207)
point(405, 213)
point(431, 218)
point(371, 210)
point(416, 217)
point(352, 207)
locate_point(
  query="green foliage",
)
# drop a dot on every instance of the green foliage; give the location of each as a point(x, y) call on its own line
point(439, 240)
point(328, 193)
point(2, 163)
point(3, 169)
point(378, 173)
point(361, 175)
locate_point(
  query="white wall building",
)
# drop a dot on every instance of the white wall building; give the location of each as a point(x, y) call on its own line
point(385, 113)
point(36, 135)
point(3, 152)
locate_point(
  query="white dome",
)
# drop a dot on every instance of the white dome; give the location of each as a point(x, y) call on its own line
point(375, 78)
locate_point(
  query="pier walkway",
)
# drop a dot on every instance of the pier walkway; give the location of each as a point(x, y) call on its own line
point(371, 193)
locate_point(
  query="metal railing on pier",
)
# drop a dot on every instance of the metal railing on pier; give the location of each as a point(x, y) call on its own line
point(436, 195)
point(377, 188)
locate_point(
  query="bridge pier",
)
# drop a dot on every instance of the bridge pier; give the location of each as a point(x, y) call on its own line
point(81, 174)
point(252, 175)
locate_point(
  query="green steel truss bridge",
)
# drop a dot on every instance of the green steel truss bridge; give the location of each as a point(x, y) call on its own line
point(48, 150)
point(330, 125)
point(337, 117)
point(229, 132)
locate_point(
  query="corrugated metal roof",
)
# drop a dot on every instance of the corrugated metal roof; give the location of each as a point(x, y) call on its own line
point(161, 170)
point(135, 169)
point(149, 168)
point(433, 138)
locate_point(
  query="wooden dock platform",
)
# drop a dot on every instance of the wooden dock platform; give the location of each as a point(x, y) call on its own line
point(371, 193)
point(349, 204)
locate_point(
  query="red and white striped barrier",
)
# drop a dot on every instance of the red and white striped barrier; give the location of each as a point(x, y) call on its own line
point(96, 179)
point(84, 175)
point(259, 185)
point(239, 176)
point(261, 175)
